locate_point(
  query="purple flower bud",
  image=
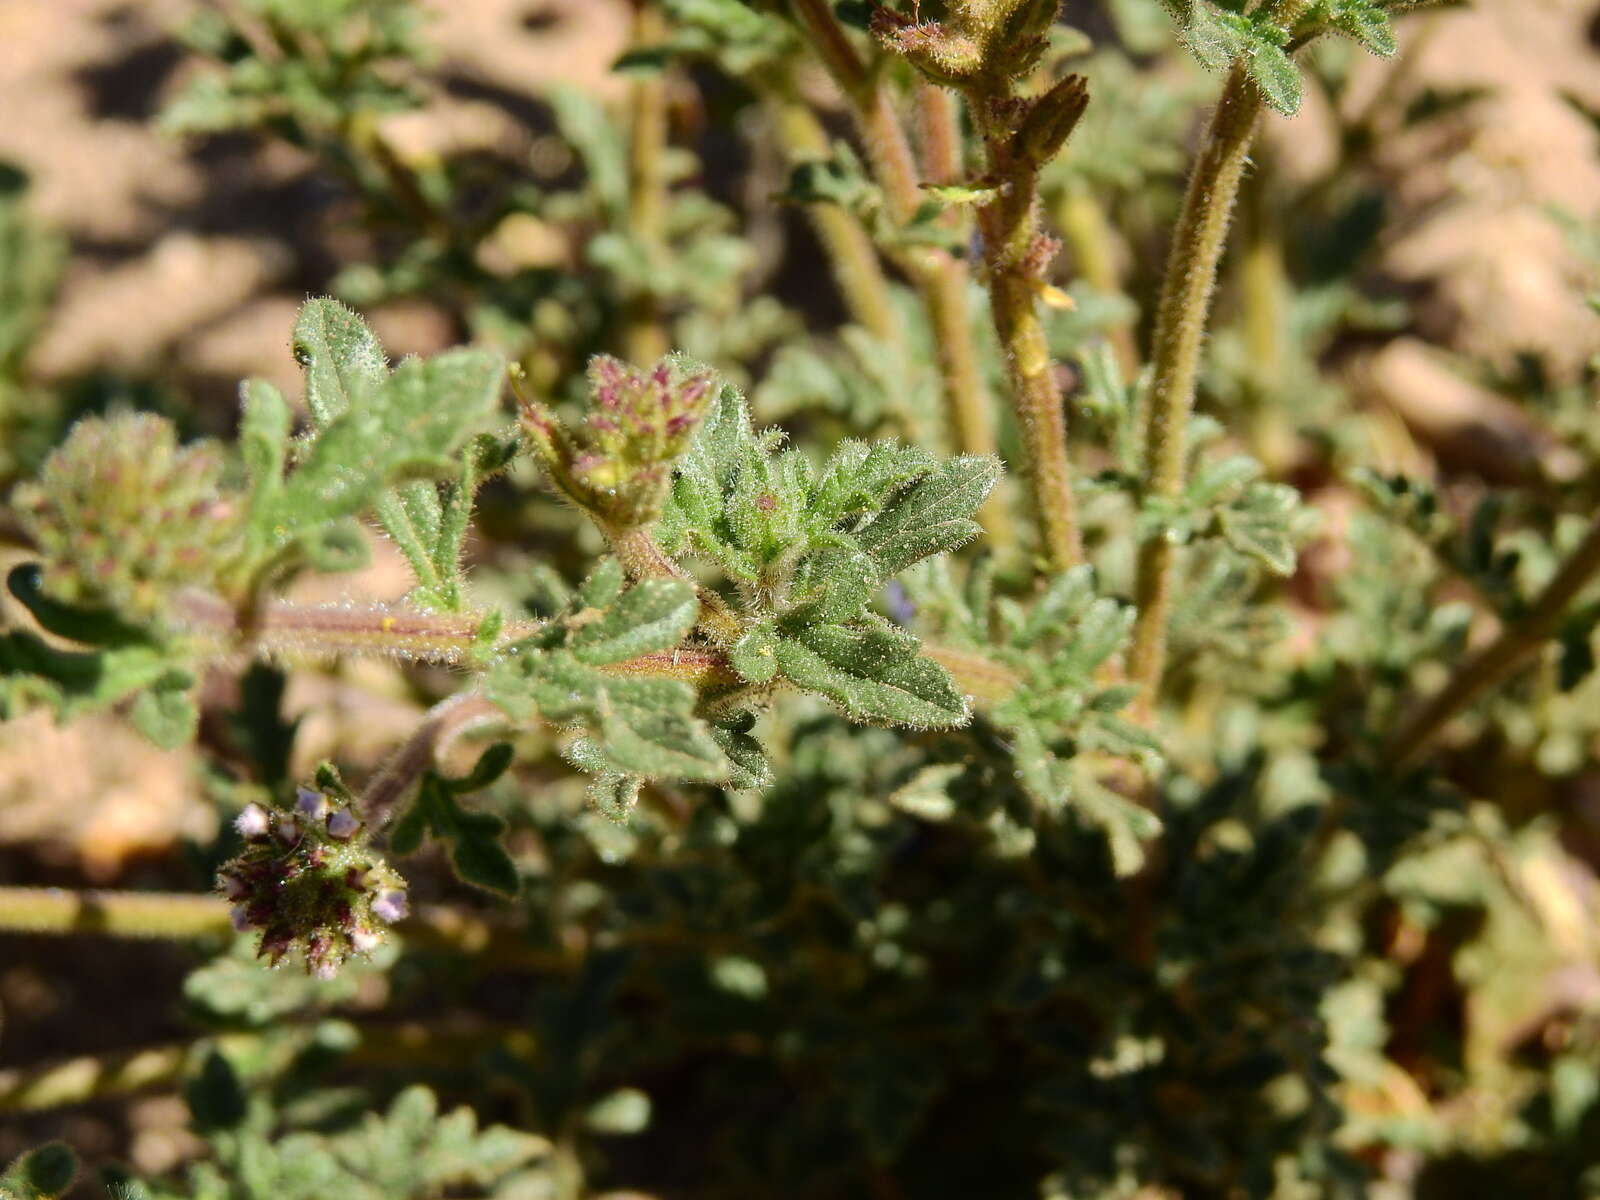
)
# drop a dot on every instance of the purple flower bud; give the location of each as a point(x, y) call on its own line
point(390, 906)
point(252, 822)
point(275, 944)
point(289, 831)
point(342, 825)
point(364, 941)
point(310, 804)
point(233, 887)
point(240, 917)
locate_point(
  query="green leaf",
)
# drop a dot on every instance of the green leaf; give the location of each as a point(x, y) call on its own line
point(748, 760)
point(874, 675)
point(653, 615)
point(334, 547)
point(614, 797)
point(833, 586)
point(1260, 525)
point(1364, 21)
point(1276, 74)
point(41, 1174)
point(408, 425)
point(90, 626)
point(491, 764)
point(480, 859)
point(429, 408)
point(860, 476)
point(1219, 38)
point(341, 356)
point(638, 725)
point(165, 712)
point(933, 515)
point(950, 194)
point(603, 585)
point(755, 655)
point(648, 730)
point(70, 683)
point(264, 445)
point(624, 1111)
point(216, 1098)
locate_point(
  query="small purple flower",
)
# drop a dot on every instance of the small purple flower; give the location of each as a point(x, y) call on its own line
point(252, 822)
point(240, 917)
point(310, 804)
point(233, 887)
point(364, 941)
point(390, 906)
point(898, 601)
point(342, 825)
point(289, 831)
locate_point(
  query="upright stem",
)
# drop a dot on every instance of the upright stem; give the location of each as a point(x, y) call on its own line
point(850, 250)
point(941, 279)
point(1010, 225)
point(939, 133)
point(114, 914)
point(1498, 659)
point(644, 338)
point(1264, 296)
point(1185, 308)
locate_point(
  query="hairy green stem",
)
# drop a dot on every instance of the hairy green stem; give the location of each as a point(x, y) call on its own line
point(1010, 225)
point(1185, 308)
point(644, 337)
point(850, 251)
point(441, 726)
point(281, 627)
point(1264, 300)
point(1500, 657)
point(113, 914)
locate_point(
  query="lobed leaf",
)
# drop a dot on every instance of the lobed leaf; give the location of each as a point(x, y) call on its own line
point(874, 675)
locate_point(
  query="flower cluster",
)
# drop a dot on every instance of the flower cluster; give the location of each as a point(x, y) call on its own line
point(617, 463)
point(125, 516)
point(977, 44)
point(309, 880)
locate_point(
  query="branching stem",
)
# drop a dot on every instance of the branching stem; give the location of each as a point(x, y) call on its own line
point(443, 724)
point(1010, 225)
point(1500, 657)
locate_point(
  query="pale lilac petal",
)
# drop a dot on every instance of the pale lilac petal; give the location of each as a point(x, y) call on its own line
point(252, 822)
